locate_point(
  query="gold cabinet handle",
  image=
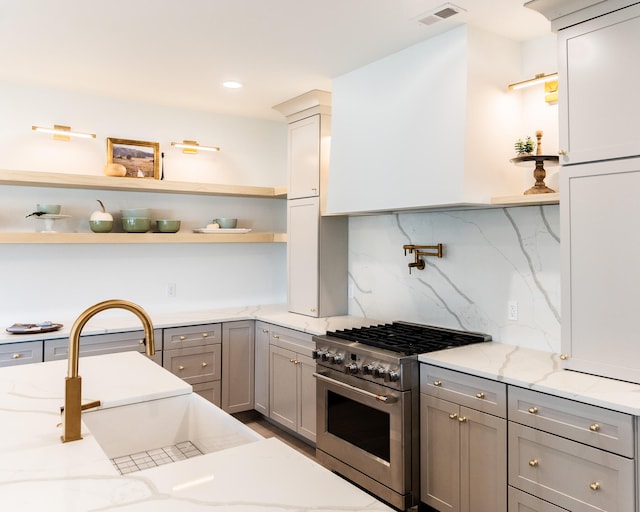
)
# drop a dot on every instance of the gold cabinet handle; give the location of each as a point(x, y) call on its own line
point(182, 338)
point(533, 410)
point(533, 463)
point(265, 330)
point(480, 395)
point(594, 486)
point(205, 334)
point(204, 364)
point(16, 356)
point(564, 357)
point(595, 427)
point(462, 419)
point(313, 310)
point(292, 361)
point(453, 416)
point(562, 152)
point(437, 383)
point(180, 367)
point(141, 342)
point(276, 337)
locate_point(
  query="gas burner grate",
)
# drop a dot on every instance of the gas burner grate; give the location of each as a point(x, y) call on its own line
point(409, 339)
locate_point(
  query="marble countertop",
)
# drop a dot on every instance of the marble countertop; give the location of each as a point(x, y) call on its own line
point(39, 472)
point(539, 371)
point(120, 321)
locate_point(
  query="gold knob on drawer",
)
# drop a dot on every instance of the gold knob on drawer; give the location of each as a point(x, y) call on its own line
point(594, 486)
point(437, 383)
point(265, 330)
point(462, 419)
point(16, 356)
point(276, 337)
point(180, 367)
point(313, 310)
point(453, 416)
point(205, 334)
point(292, 361)
point(204, 364)
point(562, 152)
point(480, 395)
point(533, 463)
point(564, 357)
point(182, 338)
point(533, 410)
point(594, 428)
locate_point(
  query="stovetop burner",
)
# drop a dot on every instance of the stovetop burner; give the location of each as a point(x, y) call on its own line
point(409, 339)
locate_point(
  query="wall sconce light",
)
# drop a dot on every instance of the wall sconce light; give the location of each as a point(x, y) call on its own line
point(550, 82)
point(61, 132)
point(191, 146)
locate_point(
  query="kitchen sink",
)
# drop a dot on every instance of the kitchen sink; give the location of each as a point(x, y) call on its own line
point(168, 422)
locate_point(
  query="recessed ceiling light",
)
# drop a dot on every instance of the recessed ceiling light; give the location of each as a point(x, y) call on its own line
point(231, 84)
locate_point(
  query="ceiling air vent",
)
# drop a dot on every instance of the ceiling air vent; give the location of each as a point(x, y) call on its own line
point(440, 13)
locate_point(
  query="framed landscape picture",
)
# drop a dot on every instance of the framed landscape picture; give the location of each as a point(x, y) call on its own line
point(141, 159)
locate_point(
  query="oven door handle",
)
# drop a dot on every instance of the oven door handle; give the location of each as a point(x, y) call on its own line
point(380, 398)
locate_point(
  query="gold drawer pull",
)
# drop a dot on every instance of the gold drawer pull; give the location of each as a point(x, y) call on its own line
point(533, 463)
point(182, 338)
point(453, 416)
point(462, 419)
point(205, 334)
point(594, 428)
point(276, 337)
point(180, 368)
point(265, 330)
point(141, 342)
point(480, 395)
point(564, 357)
point(204, 364)
point(437, 383)
point(533, 410)
point(594, 486)
point(292, 361)
point(16, 356)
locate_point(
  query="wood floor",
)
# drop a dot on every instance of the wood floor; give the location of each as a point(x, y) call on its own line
point(265, 428)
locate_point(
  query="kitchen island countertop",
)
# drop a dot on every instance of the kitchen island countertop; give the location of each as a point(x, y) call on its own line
point(539, 371)
point(39, 472)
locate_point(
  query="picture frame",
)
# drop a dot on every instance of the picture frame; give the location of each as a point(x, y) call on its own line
point(140, 159)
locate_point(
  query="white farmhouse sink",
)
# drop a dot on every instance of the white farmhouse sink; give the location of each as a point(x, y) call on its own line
point(146, 426)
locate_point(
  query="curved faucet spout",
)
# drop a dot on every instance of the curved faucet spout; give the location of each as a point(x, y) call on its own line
point(73, 383)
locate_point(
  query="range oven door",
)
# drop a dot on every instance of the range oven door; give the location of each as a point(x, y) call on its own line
point(365, 426)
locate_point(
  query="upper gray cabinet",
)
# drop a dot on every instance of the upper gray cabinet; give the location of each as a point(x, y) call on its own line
point(564, 13)
point(432, 125)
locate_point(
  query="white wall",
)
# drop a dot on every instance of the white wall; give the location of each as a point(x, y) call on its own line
point(49, 282)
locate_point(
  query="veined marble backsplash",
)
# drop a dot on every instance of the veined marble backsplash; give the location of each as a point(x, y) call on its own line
point(491, 257)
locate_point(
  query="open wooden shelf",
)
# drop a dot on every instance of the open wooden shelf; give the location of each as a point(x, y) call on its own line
point(531, 199)
point(60, 180)
point(139, 238)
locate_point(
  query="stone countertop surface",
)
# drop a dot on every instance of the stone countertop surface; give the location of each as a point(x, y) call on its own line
point(539, 371)
point(115, 320)
point(39, 472)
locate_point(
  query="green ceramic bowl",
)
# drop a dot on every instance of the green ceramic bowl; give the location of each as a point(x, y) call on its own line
point(227, 223)
point(168, 226)
point(136, 224)
point(101, 226)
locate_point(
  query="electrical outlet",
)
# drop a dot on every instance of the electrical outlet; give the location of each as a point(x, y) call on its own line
point(512, 312)
point(171, 290)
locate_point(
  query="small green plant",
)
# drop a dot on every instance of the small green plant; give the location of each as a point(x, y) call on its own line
point(524, 147)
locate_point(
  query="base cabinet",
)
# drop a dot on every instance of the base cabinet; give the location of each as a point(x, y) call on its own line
point(463, 451)
point(237, 366)
point(21, 353)
point(194, 354)
point(292, 389)
point(261, 368)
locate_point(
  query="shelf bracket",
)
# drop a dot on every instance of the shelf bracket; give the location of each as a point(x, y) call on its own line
point(420, 251)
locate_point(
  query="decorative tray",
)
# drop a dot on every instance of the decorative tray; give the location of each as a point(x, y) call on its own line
point(221, 231)
point(33, 328)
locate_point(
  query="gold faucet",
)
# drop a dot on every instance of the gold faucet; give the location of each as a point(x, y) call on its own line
point(73, 382)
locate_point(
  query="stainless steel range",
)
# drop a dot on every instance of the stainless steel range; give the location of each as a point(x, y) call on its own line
point(368, 404)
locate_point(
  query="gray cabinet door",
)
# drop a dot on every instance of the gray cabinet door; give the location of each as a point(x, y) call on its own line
point(261, 365)
point(237, 366)
point(283, 392)
point(306, 397)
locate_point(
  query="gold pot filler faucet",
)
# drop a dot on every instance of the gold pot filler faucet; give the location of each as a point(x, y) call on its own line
point(73, 383)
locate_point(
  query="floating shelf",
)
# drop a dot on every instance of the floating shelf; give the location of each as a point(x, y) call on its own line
point(60, 180)
point(526, 200)
point(139, 238)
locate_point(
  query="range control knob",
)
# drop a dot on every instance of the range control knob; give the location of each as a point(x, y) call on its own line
point(325, 356)
point(336, 359)
point(379, 372)
point(351, 368)
point(316, 354)
point(392, 376)
point(368, 368)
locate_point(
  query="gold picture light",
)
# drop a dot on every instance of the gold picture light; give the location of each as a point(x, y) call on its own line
point(61, 132)
point(550, 82)
point(191, 146)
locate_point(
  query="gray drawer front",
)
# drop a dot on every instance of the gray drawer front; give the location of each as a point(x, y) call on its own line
point(522, 502)
point(195, 364)
point(474, 392)
point(192, 336)
point(21, 353)
point(601, 428)
point(290, 339)
point(95, 345)
point(564, 472)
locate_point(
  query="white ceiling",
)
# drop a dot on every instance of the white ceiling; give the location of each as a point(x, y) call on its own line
point(178, 52)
